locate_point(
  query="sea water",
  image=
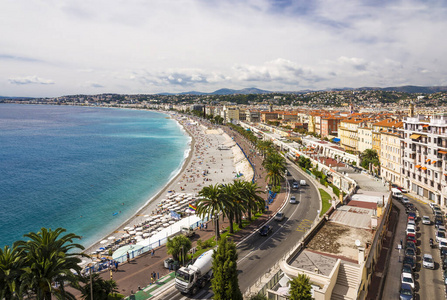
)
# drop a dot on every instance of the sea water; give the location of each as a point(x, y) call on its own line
point(84, 169)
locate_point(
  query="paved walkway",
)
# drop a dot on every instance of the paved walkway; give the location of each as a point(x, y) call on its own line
point(135, 277)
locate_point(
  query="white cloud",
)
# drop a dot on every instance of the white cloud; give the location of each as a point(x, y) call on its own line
point(155, 46)
point(30, 80)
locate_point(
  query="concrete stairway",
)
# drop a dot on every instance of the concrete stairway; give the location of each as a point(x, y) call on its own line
point(347, 282)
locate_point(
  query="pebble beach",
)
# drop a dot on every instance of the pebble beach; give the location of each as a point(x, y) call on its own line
point(214, 158)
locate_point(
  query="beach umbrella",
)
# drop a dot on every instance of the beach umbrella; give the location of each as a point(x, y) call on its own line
point(171, 222)
point(127, 228)
point(165, 225)
point(132, 232)
point(146, 234)
point(103, 242)
point(139, 228)
point(111, 238)
point(146, 216)
point(126, 235)
point(139, 233)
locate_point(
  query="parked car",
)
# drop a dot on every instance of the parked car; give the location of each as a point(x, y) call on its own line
point(279, 216)
point(439, 221)
point(402, 190)
point(427, 261)
point(410, 252)
point(408, 260)
point(407, 269)
point(426, 220)
point(432, 205)
point(411, 229)
point(412, 214)
point(265, 230)
point(445, 277)
point(407, 278)
point(411, 245)
point(444, 263)
point(439, 235)
point(406, 292)
point(412, 238)
point(293, 199)
point(442, 243)
point(443, 253)
point(411, 222)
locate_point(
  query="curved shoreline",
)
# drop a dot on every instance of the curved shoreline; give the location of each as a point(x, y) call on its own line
point(146, 206)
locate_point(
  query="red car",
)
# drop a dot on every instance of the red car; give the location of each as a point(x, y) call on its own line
point(411, 238)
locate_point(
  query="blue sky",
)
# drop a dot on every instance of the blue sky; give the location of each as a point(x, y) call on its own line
point(53, 48)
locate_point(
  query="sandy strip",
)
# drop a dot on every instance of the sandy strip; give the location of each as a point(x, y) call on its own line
point(204, 158)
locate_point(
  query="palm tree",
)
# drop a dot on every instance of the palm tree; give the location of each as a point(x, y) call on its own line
point(300, 288)
point(10, 271)
point(275, 165)
point(234, 203)
point(211, 203)
point(178, 247)
point(251, 192)
point(48, 258)
point(101, 288)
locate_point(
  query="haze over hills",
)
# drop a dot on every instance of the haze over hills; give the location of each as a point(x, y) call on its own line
point(413, 89)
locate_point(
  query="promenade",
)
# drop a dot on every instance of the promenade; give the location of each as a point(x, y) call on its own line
point(135, 277)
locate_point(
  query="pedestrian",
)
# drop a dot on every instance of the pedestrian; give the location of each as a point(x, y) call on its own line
point(128, 257)
point(205, 226)
point(153, 277)
point(116, 266)
point(153, 252)
point(401, 242)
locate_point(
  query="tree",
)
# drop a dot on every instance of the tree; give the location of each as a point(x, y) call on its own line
point(369, 156)
point(275, 165)
point(49, 258)
point(233, 202)
point(300, 288)
point(178, 247)
point(259, 296)
point(211, 203)
point(255, 203)
point(225, 284)
point(10, 271)
point(101, 288)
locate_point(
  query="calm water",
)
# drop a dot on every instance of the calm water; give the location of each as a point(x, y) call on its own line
point(74, 167)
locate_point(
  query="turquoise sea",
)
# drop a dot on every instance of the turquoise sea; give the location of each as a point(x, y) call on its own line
point(81, 168)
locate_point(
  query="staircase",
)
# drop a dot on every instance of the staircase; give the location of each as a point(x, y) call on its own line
point(347, 283)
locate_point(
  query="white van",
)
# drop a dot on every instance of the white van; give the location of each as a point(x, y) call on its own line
point(396, 194)
point(303, 182)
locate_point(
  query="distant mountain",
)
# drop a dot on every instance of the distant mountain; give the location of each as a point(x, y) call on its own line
point(17, 98)
point(416, 89)
point(224, 91)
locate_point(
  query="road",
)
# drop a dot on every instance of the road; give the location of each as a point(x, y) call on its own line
point(257, 254)
point(429, 283)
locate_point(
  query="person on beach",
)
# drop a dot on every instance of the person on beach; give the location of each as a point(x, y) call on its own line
point(128, 257)
point(153, 252)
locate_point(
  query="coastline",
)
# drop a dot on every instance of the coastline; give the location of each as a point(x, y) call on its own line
point(147, 205)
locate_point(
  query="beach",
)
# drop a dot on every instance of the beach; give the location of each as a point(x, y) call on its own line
point(214, 158)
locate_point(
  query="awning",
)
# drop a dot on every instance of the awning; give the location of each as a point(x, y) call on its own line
point(433, 162)
point(415, 136)
point(442, 152)
point(424, 168)
point(336, 140)
point(428, 160)
point(425, 125)
point(417, 166)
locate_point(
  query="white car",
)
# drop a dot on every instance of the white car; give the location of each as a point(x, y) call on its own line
point(303, 182)
point(426, 220)
point(427, 261)
point(439, 235)
point(405, 200)
point(279, 216)
point(411, 222)
point(293, 200)
point(432, 205)
point(407, 278)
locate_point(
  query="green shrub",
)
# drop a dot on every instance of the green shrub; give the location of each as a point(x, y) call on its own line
point(199, 244)
point(336, 190)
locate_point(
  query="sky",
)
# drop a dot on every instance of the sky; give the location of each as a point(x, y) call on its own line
point(51, 48)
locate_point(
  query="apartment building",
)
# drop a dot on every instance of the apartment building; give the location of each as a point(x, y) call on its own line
point(268, 116)
point(252, 116)
point(329, 126)
point(348, 133)
point(365, 137)
point(389, 152)
point(424, 157)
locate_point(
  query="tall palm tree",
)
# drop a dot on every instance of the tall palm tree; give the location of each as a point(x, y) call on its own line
point(275, 165)
point(211, 203)
point(10, 271)
point(252, 193)
point(235, 203)
point(48, 259)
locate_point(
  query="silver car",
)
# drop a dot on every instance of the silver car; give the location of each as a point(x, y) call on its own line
point(427, 261)
point(426, 220)
point(279, 216)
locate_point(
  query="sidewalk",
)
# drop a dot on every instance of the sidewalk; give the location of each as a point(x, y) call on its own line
point(134, 277)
